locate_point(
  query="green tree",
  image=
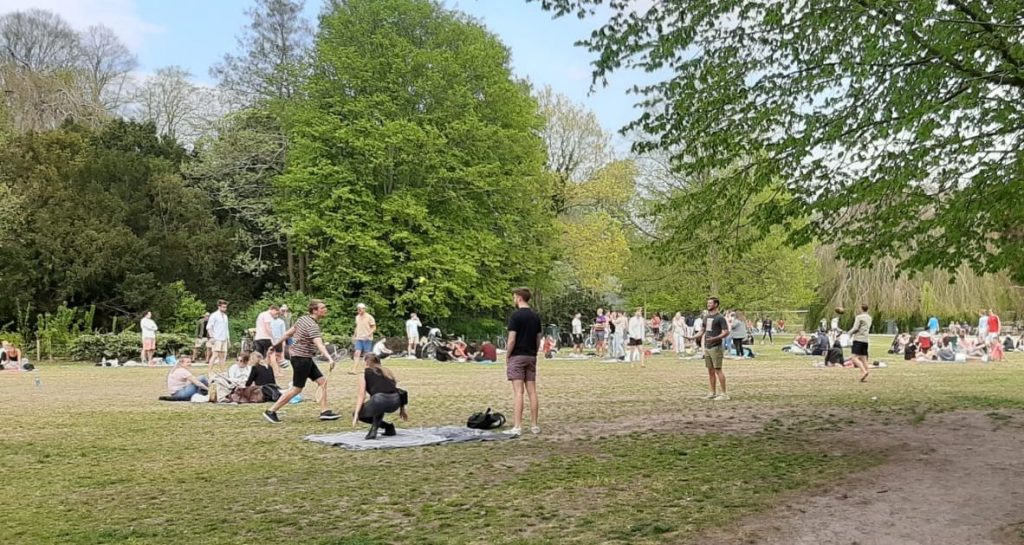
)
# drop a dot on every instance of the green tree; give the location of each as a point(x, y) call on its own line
point(108, 221)
point(416, 177)
point(897, 126)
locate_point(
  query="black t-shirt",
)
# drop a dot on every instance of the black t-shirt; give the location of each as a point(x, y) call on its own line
point(714, 326)
point(526, 324)
point(201, 329)
point(378, 383)
point(261, 375)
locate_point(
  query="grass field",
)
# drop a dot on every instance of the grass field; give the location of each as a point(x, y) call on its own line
point(626, 455)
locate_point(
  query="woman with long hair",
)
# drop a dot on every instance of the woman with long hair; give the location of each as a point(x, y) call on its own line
point(381, 386)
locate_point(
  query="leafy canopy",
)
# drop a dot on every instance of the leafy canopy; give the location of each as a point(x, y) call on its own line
point(896, 126)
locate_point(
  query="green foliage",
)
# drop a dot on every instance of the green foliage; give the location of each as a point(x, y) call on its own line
point(14, 338)
point(894, 125)
point(415, 175)
point(58, 330)
point(125, 346)
point(109, 222)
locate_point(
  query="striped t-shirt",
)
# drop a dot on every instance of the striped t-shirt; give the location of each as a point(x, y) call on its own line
point(306, 331)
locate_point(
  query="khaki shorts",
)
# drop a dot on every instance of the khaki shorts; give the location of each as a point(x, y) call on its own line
point(713, 357)
point(219, 346)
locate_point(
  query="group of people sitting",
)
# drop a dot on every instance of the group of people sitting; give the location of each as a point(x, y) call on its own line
point(953, 346)
point(457, 350)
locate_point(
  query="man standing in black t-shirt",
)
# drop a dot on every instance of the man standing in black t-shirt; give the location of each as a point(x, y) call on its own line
point(716, 329)
point(524, 335)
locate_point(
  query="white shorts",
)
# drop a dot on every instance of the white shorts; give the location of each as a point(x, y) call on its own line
point(413, 338)
point(220, 346)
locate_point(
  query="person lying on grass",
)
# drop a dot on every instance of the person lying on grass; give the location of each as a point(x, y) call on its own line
point(381, 386)
point(182, 384)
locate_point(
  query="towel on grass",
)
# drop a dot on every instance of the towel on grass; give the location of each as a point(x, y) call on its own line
point(416, 437)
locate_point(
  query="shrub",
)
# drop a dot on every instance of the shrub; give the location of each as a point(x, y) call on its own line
point(14, 338)
point(125, 346)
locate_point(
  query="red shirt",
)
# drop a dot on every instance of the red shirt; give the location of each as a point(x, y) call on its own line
point(489, 351)
point(993, 324)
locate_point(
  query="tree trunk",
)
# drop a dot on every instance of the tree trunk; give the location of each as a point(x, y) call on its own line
point(291, 264)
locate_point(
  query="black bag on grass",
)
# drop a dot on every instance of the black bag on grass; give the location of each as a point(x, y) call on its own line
point(486, 420)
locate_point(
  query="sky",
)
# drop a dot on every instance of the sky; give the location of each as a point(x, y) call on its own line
point(195, 34)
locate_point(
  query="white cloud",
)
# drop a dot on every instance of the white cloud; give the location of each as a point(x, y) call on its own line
point(120, 15)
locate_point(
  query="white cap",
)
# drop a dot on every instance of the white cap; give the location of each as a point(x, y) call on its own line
point(361, 305)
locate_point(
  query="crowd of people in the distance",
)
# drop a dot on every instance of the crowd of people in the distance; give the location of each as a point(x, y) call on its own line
point(958, 342)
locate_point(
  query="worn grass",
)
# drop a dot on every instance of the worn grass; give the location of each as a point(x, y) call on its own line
point(627, 455)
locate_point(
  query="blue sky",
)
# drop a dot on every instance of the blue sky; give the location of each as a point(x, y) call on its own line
point(196, 33)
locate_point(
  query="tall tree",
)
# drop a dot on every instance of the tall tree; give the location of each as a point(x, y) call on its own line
point(897, 126)
point(106, 65)
point(39, 41)
point(273, 50)
point(416, 176)
point(170, 101)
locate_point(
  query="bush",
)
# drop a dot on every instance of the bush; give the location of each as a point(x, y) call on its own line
point(13, 338)
point(125, 346)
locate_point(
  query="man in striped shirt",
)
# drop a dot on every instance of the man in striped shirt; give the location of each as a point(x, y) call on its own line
point(308, 341)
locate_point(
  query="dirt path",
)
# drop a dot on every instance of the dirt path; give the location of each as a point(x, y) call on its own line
point(954, 479)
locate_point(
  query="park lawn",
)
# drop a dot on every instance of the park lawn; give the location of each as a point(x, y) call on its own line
point(627, 455)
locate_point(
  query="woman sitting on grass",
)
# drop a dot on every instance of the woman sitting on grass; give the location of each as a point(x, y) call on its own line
point(10, 357)
point(182, 384)
point(381, 386)
point(259, 373)
point(240, 371)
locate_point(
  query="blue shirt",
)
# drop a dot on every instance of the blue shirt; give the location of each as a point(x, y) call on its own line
point(277, 329)
point(933, 323)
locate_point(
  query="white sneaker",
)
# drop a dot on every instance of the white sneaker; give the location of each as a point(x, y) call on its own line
point(535, 430)
point(515, 432)
point(711, 396)
point(721, 397)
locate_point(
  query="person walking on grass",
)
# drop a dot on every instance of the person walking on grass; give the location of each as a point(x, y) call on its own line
point(220, 336)
point(148, 328)
point(308, 342)
point(716, 329)
point(524, 340)
point(363, 336)
point(860, 335)
point(738, 333)
point(265, 330)
point(637, 327)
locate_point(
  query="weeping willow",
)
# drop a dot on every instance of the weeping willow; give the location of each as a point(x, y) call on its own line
point(957, 295)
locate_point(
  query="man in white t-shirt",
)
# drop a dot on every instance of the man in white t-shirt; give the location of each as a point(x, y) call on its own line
point(220, 336)
point(637, 327)
point(577, 333)
point(265, 329)
point(148, 327)
point(381, 350)
point(412, 332)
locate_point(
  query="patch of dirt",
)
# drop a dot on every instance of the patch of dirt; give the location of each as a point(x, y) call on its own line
point(733, 418)
point(955, 478)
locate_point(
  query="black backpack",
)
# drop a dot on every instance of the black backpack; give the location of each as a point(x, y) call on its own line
point(486, 420)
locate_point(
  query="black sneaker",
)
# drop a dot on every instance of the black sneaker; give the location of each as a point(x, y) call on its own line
point(329, 415)
point(271, 417)
point(389, 429)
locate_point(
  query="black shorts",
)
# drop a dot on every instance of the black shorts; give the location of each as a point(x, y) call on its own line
point(262, 346)
point(304, 369)
point(860, 348)
point(577, 338)
point(279, 349)
point(635, 342)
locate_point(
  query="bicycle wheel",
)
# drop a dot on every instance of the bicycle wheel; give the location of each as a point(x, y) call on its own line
point(430, 351)
point(590, 342)
point(500, 343)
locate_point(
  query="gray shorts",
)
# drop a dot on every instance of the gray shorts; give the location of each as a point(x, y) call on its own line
point(521, 368)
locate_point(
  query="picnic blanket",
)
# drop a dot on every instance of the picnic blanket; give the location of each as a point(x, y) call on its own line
point(415, 437)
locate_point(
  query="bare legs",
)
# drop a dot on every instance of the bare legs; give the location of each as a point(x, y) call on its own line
point(519, 387)
point(717, 375)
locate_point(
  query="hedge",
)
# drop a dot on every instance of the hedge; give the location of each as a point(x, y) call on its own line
point(125, 346)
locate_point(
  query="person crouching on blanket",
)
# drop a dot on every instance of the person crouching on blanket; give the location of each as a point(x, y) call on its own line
point(182, 384)
point(385, 397)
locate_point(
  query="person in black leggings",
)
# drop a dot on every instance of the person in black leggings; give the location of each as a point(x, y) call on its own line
point(385, 397)
point(766, 331)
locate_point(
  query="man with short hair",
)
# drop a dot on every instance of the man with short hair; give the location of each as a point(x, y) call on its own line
point(277, 329)
point(412, 334)
point(362, 338)
point(149, 329)
point(577, 334)
point(524, 340)
point(716, 329)
point(220, 336)
point(308, 342)
point(264, 329)
point(860, 333)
